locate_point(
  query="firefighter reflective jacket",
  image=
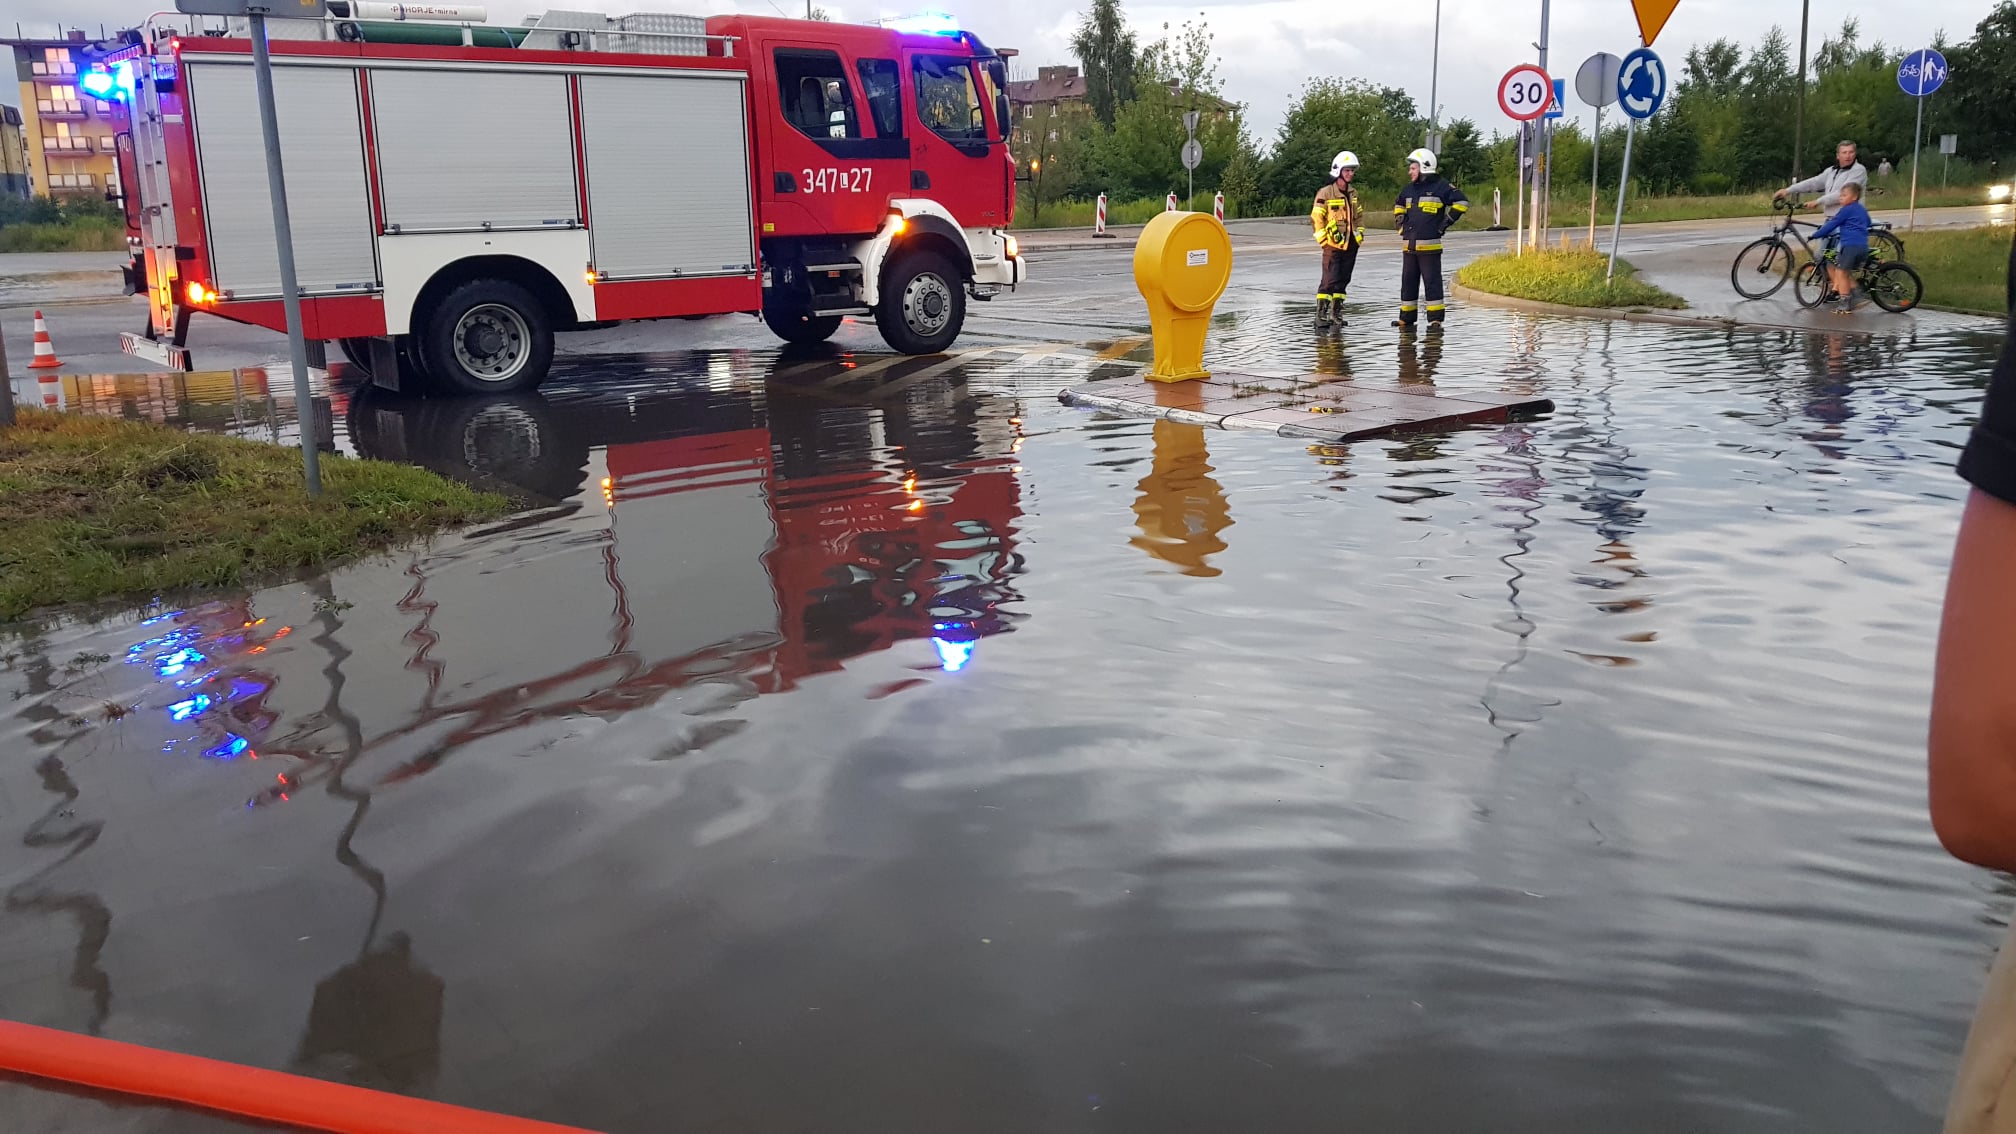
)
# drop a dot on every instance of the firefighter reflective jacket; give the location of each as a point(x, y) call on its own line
point(1337, 216)
point(1426, 209)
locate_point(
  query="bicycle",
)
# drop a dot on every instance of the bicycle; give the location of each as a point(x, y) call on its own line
point(1764, 264)
point(1893, 284)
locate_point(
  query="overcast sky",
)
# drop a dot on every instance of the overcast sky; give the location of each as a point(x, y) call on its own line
point(1270, 47)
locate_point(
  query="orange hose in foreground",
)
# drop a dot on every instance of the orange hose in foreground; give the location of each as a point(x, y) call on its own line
point(273, 1096)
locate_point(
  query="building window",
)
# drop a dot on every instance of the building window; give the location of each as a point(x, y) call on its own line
point(1028, 111)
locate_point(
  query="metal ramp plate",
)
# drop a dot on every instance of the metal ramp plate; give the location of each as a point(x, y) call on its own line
point(1316, 407)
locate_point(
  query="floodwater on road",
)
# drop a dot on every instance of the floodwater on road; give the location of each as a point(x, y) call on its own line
point(857, 743)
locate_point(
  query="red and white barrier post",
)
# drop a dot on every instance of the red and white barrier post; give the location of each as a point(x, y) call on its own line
point(1099, 220)
point(1218, 208)
point(1171, 207)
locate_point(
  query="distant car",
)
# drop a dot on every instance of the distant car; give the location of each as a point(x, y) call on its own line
point(2001, 193)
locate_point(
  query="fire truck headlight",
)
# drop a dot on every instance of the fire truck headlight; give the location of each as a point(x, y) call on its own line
point(897, 224)
point(1014, 248)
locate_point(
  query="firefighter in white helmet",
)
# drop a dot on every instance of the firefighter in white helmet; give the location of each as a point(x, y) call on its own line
point(1427, 208)
point(1340, 230)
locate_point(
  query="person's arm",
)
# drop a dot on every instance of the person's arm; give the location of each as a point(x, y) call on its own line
point(1973, 737)
point(1972, 744)
point(1454, 208)
point(1319, 216)
point(1817, 181)
point(1828, 227)
point(1400, 209)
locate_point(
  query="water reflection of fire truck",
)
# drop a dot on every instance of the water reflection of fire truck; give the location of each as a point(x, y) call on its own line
point(719, 536)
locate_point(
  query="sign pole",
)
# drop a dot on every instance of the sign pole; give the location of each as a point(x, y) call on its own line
point(1595, 167)
point(283, 239)
point(1917, 143)
point(1623, 183)
point(1519, 199)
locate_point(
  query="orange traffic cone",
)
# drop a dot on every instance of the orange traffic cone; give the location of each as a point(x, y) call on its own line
point(52, 390)
point(45, 351)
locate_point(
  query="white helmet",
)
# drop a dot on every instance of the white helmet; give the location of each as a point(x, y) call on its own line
point(1423, 158)
point(1344, 160)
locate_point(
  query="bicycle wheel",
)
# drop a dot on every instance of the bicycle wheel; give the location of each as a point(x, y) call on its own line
point(1761, 268)
point(1885, 245)
point(1809, 284)
point(1895, 287)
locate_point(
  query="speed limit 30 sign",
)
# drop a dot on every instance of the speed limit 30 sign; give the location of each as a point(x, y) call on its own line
point(1524, 92)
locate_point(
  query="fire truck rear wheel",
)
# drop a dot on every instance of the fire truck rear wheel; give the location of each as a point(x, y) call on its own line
point(923, 304)
point(800, 329)
point(487, 336)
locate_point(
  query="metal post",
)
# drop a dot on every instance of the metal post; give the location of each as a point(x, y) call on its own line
point(1547, 180)
point(1519, 199)
point(1434, 72)
point(6, 387)
point(1799, 116)
point(1539, 170)
point(1917, 144)
point(283, 240)
point(1623, 183)
point(1595, 168)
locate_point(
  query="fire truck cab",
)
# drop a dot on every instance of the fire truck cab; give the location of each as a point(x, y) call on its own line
point(459, 192)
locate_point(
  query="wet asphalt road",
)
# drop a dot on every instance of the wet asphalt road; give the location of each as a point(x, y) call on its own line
point(843, 741)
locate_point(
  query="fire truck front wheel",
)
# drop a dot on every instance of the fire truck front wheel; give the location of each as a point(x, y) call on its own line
point(487, 336)
point(923, 304)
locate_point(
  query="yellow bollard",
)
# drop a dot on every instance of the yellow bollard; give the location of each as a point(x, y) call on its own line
point(1181, 264)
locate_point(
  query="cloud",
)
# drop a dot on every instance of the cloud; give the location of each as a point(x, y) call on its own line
point(1270, 48)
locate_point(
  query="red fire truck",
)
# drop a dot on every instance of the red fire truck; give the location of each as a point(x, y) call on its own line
point(459, 191)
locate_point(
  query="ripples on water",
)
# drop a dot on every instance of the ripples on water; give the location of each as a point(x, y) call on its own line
point(904, 750)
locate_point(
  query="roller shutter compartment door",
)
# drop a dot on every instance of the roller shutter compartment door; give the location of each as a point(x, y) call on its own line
point(668, 175)
point(322, 153)
point(461, 150)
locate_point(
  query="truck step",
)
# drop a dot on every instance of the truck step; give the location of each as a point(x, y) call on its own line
point(836, 266)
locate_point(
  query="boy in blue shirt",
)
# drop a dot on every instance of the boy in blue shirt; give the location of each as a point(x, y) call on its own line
point(1850, 228)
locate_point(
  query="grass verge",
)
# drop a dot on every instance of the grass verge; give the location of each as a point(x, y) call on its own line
point(100, 508)
point(1573, 276)
point(1967, 268)
point(85, 234)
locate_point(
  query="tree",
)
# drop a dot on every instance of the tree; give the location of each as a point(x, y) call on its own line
point(1379, 124)
point(1463, 159)
point(1984, 86)
point(1667, 152)
point(1142, 155)
point(1051, 150)
point(1241, 183)
point(1105, 49)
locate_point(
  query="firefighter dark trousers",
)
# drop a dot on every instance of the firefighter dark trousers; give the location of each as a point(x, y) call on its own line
point(1415, 269)
point(1338, 263)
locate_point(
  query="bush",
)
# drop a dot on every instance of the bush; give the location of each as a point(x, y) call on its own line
point(1711, 184)
point(89, 235)
point(1573, 276)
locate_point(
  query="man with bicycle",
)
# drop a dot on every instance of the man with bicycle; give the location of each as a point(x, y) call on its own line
point(1828, 182)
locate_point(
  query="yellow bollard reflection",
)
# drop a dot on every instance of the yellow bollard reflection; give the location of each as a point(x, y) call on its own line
point(1180, 508)
point(1181, 264)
